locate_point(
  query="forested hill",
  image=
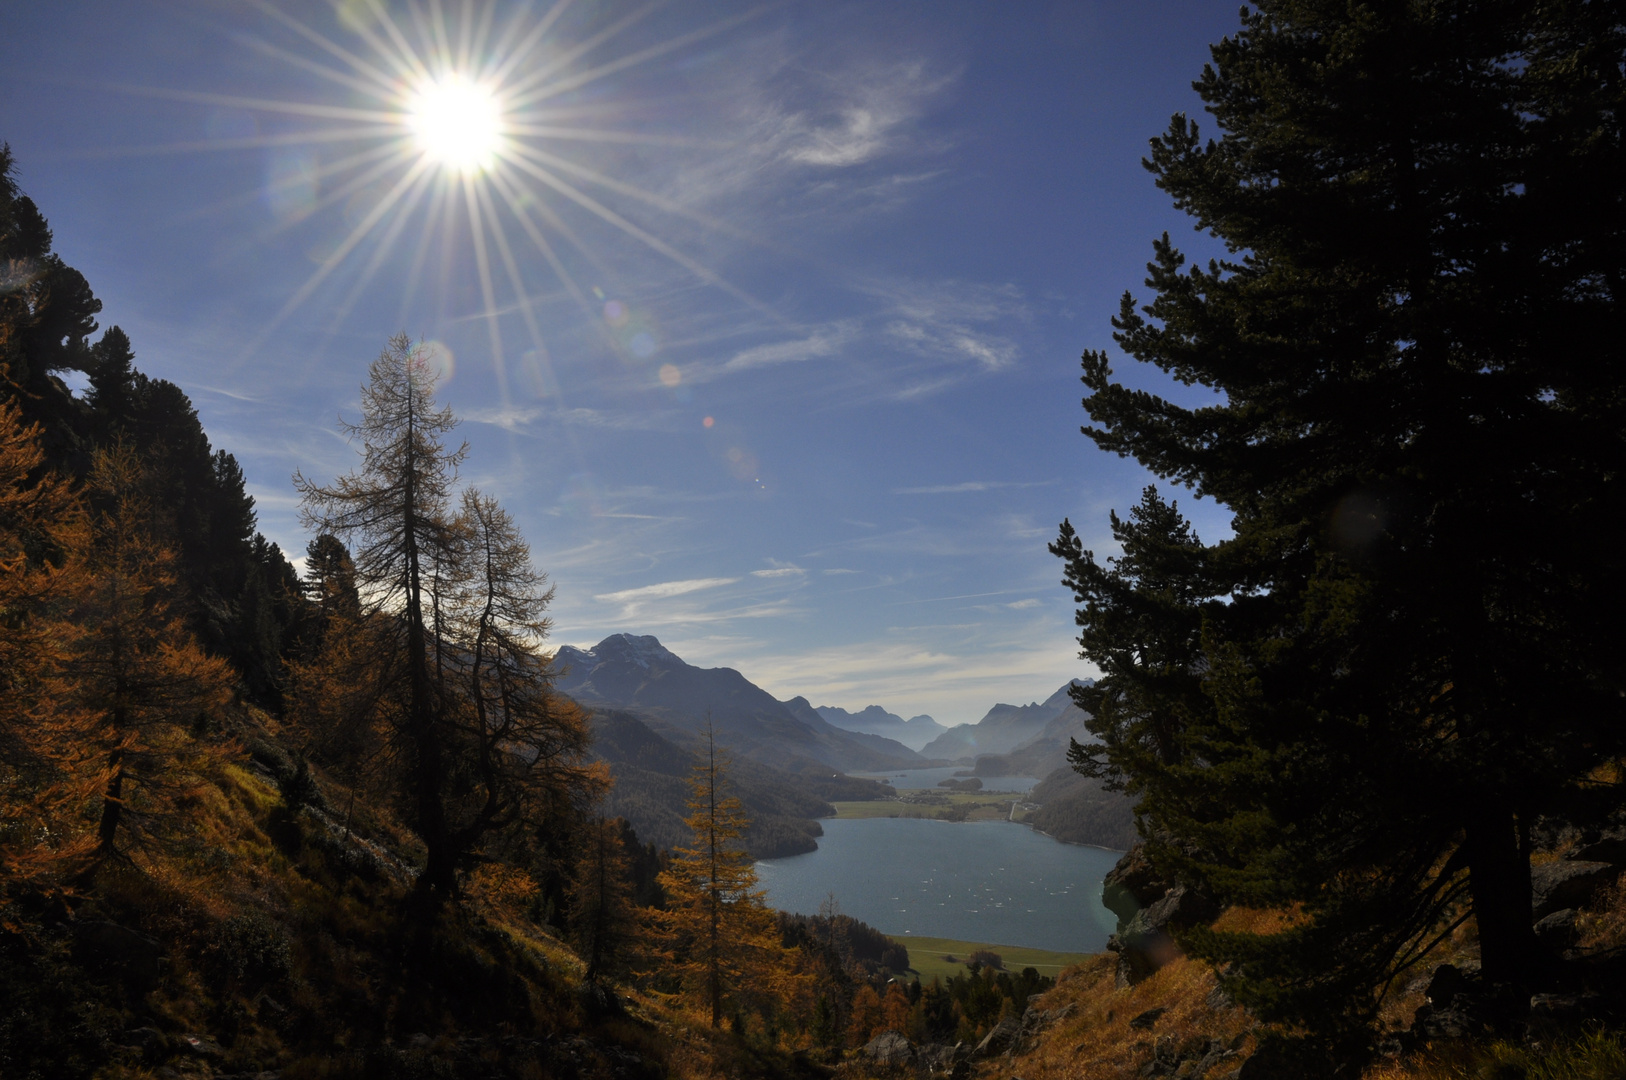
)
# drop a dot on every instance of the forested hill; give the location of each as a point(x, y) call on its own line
point(246, 603)
point(651, 789)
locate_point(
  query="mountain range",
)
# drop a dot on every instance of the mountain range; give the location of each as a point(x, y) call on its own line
point(1028, 735)
point(651, 709)
point(641, 676)
point(914, 732)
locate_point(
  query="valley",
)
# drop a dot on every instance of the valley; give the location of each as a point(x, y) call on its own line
point(795, 767)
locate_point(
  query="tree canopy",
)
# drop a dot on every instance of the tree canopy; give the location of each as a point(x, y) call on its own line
point(1364, 699)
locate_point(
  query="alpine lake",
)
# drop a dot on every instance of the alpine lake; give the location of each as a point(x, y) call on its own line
point(954, 865)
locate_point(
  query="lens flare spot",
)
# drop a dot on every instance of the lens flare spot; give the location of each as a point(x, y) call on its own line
point(707, 422)
point(456, 122)
point(742, 463)
point(579, 496)
point(670, 375)
point(441, 360)
point(290, 184)
point(642, 345)
point(616, 313)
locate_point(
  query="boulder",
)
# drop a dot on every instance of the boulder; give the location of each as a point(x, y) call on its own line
point(953, 1062)
point(1181, 906)
point(1146, 942)
point(1567, 884)
point(1571, 1008)
point(1609, 848)
point(1145, 1020)
point(1558, 929)
point(1448, 982)
point(1000, 1039)
point(201, 1046)
point(889, 1049)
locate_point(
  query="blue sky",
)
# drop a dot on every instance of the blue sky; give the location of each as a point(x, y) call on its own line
point(774, 350)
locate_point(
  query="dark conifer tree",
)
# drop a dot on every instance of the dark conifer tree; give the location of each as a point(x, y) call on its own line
point(1363, 701)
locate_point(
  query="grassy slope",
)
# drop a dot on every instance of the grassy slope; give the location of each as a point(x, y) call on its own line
point(284, 944)
point(928, 956)
point(1096, 1041)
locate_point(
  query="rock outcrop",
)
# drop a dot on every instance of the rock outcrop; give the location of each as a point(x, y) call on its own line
point(1150, 909)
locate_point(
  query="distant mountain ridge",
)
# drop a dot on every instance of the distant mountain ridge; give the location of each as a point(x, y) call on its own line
point(1006, 729)
point(639, 675)
point(914, 732)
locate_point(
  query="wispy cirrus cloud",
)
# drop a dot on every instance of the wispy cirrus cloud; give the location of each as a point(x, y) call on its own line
point(663, 590)
point(908, 678)
point(824, 342)
point(970, 485)
point(869, 118)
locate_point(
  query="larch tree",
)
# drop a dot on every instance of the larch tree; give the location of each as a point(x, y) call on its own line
point(1359, 704)
point(344, 686)
point(395, 511)
point(451, 613)
point(145, 691)
point(600, 893)
point(47, 772)
point(720, 935)
point(520, 748)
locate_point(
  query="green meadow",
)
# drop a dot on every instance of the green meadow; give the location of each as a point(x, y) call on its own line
point(929, 956)
point(945, 805)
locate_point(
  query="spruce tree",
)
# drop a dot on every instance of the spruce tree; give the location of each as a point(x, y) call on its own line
point(1362, 702)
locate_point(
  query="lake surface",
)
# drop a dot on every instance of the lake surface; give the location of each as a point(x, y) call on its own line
point(915, 779)
point(988, 881)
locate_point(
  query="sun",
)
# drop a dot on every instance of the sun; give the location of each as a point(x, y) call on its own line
point(456, 122)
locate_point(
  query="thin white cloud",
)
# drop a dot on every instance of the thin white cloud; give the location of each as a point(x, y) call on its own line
point(871, 121)
point(951, 341)
point(779, 572)
point(1023, 605)
point(663, 590)
point(509, 418)
point(821, 343)
point(969, 485)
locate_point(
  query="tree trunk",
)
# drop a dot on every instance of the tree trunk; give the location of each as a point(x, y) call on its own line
point(112, 806)
point(1499, 881)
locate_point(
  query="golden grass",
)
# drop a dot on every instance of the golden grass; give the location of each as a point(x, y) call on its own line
point(1603, 923)
point(1097, 1041)
point(1594, 1055)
